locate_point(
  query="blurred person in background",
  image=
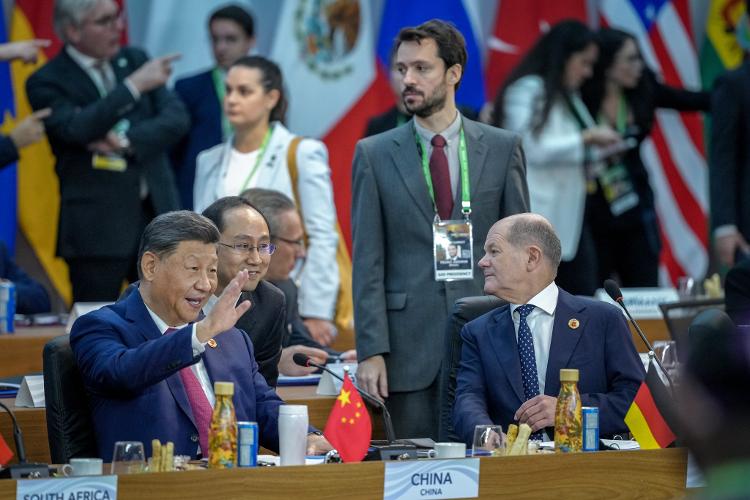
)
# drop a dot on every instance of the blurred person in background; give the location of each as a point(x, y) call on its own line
point(623, 94)
point(258, 155)
point(232, 32)
point(714, 409)
point(30, 129)
point(540, 100)
point(111, 124)
point(729, 158)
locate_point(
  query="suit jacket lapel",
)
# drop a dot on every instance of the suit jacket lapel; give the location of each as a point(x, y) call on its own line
point(83, 82)
point(120, 66)
point(137, 313)
point(477, 155)
point(408, 164)
point(505, 347)
point(564, 338)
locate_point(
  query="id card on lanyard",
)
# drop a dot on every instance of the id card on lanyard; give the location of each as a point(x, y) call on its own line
point(453, 242)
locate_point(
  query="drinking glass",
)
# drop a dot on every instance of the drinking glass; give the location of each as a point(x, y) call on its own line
point(489, 440)
point(666, 352)
point(128, 458)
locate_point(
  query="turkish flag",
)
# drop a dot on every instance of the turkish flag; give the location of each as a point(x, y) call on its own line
point(348, 428)
point(5, 453)
point(517, 26)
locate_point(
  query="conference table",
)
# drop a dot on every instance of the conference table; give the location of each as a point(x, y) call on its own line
point(33, 423)
point(21, 352)
point(607, 474)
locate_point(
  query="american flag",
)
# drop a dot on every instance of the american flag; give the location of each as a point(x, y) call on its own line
point(674, 154)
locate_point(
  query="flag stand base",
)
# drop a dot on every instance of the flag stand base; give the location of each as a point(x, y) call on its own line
point(393, 451)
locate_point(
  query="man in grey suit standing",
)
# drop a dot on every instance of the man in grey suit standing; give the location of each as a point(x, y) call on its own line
point(400, 309)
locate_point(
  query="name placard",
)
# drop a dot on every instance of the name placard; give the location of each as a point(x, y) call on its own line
point(455, 478)
point(643, 303)
point(68, 488)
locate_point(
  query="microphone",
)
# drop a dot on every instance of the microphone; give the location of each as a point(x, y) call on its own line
point(22, 469)
point(614, 292)
point(304, 360)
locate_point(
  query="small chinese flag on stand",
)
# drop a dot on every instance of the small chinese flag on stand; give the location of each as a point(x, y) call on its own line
point(348, 428)
point(5, 453)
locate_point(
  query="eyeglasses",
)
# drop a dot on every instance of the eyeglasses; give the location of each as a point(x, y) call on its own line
point(108, 21)
point(300, 243)
point(262, 249)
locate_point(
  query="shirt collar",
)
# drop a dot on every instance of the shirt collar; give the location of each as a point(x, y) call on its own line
point(546, 300)
point(450, 133)
point(84, 61)
point(160, 323)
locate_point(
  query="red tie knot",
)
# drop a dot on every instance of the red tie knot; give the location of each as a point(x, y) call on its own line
point(438, 141)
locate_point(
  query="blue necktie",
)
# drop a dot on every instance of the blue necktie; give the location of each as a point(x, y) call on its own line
point(528, 359)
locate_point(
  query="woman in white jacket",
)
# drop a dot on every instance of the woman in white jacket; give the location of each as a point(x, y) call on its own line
point(256, 156)
point(540, 101)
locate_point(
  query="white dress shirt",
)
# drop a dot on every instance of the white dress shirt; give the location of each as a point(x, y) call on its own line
point(89, 65)
point(540, 321)
point(199, 369)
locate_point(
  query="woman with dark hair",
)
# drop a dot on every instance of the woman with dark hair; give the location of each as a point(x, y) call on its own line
point(624, 94)
point(540, 101)
point(263, 153)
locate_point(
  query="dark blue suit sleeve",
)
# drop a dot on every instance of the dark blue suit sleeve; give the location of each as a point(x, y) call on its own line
point(110, 367)
point(31, 296)
point(8, 151)
point(624, 372)
point(470, 406)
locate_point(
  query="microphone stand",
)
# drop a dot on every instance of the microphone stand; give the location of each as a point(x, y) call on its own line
point(22, 469)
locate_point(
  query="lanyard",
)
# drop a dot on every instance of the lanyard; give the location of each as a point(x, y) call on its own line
point(463, 160)
point(261, 152)
point(218, 79)
point(621, 120)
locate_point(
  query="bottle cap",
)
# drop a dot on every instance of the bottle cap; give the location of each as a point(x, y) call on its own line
point(568, 375)
point(224, 388)
point(293, 410)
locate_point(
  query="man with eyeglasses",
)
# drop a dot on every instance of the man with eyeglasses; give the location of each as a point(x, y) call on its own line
point(111, 124)
point(288, 235)
point(245, 244)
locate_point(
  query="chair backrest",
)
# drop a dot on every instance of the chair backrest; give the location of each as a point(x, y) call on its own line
point(679, 315)
point(69, 427)
point(464, 310)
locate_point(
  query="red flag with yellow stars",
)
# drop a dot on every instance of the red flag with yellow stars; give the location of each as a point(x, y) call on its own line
point(348, 428)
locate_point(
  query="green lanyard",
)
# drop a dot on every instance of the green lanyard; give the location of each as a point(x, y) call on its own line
point(218, 78)
point(621, 121)
point(261, 152)
point(463, 160)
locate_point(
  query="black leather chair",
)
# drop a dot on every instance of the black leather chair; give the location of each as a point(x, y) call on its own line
point(69, 427)
point(464, 310)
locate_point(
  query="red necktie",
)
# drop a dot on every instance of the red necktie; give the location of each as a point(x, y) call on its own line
point(202, 411)
point(441, 178)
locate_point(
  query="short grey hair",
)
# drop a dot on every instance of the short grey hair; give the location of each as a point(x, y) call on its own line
point(70, 12)
point(272, 204)
point(529, 230)
point(167, 231)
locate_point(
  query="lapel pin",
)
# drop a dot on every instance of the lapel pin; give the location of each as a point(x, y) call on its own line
point(212, 343)
point(122, 62)
point(573, 323)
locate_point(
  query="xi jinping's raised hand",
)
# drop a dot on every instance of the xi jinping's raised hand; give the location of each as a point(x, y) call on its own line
point(226, 311)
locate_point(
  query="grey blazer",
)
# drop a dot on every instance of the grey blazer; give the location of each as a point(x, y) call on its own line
point(399, 309)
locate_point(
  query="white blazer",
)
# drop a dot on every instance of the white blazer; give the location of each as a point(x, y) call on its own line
point(319, 278)
point(554, 159)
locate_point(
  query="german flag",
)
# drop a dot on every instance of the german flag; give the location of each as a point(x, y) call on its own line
point(651, 417)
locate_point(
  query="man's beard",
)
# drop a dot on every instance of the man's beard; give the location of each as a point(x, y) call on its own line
point(429, 106)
